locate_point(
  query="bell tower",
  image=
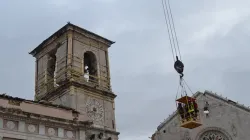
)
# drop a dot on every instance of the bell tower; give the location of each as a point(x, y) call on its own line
point(72, 69)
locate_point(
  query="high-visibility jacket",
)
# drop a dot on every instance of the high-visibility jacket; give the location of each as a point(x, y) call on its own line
point(190, 107)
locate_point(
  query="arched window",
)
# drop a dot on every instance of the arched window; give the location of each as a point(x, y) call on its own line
point(213, 133)
point(51, 68)
point(90, 66)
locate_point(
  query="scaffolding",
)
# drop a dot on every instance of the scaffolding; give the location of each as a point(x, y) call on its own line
point(71, 68)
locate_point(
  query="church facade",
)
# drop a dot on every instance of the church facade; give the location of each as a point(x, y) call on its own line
point(73, 95)
point(226, 120)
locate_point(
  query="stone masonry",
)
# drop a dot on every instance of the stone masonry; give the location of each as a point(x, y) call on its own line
point(73, 94)
point(227, 120)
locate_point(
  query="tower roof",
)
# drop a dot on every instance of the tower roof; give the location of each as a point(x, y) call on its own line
point(63, 30)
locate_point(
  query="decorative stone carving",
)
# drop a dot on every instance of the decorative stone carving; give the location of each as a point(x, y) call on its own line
point(69, 134)
point(32, 128)
point(94, 110)
point(213, 133)
point(51, 131)
point(10, 125)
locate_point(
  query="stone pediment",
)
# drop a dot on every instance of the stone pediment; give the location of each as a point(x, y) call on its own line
point(211, 94)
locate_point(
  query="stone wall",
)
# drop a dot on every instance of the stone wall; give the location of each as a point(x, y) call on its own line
point(82, 44)
point(60, 44)
point(82, 99)
point(24, 129)
point(224, 119)
point(35, 108)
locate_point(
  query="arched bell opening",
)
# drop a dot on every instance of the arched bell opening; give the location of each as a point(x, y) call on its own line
point(51, 69)
point(90, 67)
point(188, 111)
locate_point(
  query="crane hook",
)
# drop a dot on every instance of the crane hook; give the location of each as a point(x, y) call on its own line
point(179, 67)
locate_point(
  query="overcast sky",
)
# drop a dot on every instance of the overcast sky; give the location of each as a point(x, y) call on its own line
point(214, 38)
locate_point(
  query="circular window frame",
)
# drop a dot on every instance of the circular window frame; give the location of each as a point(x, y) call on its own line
point(220, 130)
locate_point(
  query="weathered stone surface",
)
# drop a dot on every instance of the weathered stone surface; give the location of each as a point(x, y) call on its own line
point(1, 122)
point(41, 129)
point(227, 120)
point(66, 106)
point(60, 132)
point(21, 126)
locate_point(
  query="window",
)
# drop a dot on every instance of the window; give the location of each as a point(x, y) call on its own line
point(51, 69)
point(90, 66)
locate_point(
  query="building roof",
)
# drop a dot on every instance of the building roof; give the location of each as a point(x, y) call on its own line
point(5, 96)
point(210, 94)
point(60, 32)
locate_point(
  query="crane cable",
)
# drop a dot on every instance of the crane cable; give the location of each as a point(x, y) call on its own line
point(174, 44)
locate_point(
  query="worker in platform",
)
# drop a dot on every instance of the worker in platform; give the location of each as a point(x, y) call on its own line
point(186, 114)
point(181, 111)
point(191, 109)
point(195, 109)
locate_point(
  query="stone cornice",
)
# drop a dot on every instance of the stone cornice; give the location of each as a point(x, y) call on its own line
point(68, 83)
point(17, 99)
point(95, 89)
point(106, 130)
point(90, 35)
point(18, 114)
point(66, 28)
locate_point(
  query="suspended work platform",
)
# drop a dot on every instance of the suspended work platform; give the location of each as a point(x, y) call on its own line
point(188, 112)
point(191, 124)
point(185, 99)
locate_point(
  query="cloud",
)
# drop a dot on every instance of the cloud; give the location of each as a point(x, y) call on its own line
point(213, 38)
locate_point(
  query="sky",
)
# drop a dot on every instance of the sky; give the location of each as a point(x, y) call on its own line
point(213, 38)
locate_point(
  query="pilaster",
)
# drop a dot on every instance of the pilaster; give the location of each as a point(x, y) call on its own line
point(41, 129)
point(21, 126)
point(82, 135)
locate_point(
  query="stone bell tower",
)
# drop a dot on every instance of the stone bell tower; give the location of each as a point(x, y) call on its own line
point(72, 69)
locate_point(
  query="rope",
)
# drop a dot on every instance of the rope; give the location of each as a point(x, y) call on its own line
point(183, 84)
point(177, 92)
point(188, 86)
